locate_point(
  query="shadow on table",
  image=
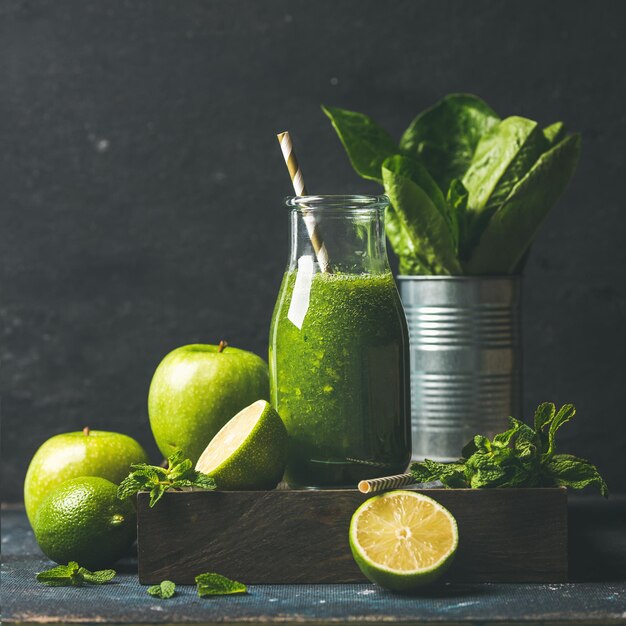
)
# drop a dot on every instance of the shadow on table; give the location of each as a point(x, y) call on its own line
point(597, 539)
point(447, 591)
point(126, 566)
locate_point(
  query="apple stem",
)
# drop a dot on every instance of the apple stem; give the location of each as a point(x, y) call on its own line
point(86, 431)
point(222, 345)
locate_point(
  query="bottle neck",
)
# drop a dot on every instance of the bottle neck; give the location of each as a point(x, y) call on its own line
point(339, 234)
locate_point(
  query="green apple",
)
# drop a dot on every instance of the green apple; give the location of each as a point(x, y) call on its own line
point(83, 453)
point(196, 389)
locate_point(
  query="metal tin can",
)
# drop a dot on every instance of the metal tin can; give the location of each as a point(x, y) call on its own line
point(465, 359)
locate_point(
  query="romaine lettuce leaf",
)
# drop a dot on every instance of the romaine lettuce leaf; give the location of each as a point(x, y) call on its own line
point(366, 143)
point(426, 228)
point(456, 199)
point(511, 229)
point(554, 133)
point(444, 137)
point(502, 158)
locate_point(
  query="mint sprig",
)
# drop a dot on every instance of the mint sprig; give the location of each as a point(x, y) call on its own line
point(164, 590)
point(521, 456)
point(73, 575)
point(211, 584)
point(157, 480)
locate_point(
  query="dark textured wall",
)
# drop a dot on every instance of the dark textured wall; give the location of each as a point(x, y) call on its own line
point(141, 185)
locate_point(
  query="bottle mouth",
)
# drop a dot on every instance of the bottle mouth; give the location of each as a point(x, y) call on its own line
point(338, 203)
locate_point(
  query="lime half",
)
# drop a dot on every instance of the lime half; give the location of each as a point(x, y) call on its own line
point(249, 452)
point(403, 539)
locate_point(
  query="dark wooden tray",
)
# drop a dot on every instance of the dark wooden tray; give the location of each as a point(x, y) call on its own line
point(293, 536)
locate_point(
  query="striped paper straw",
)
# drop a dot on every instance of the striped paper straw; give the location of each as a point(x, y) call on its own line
point(374, 485)
point(295, 173)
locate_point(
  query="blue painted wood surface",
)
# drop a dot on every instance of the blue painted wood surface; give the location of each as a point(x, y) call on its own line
point(126, 601)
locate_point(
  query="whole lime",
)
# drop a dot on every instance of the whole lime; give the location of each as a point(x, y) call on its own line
point(83, 520)
point(82, 453)
point(196, 389)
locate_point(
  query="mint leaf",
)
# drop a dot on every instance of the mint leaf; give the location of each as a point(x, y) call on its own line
point(365, 142)
point(503, 440)
point(565, 414)
point(525, 437)
point(544, 415)
point(73, 575)
point(482, 444)
point(180, 470)
point(130, 486)
point(157, 480)
point(164, 590)
point(178, 456)
point(500, 467)
point(518, 457)
point(481, 470)
point(211, 584)
point(60, 576)
point(202, 481)
point(156, 493)
point(450, 474)
point(149, 471)
point(99, 577)
point(422, 474)
point(569, 471)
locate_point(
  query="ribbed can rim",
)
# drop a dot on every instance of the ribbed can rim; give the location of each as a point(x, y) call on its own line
point(482, 278)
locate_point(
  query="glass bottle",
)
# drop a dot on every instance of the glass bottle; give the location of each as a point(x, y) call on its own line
point(338, 348)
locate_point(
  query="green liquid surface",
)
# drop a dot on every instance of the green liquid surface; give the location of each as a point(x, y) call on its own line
point(340, 381)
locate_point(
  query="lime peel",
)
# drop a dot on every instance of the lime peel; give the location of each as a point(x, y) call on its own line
point(75, 522)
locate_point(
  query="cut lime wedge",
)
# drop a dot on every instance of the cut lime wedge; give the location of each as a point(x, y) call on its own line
point(403, 539)
point(249, 452)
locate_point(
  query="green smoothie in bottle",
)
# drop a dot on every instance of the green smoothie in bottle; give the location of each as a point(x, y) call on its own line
point(339, 349)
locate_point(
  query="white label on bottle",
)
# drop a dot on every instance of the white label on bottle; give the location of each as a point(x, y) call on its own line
point(301, 292)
